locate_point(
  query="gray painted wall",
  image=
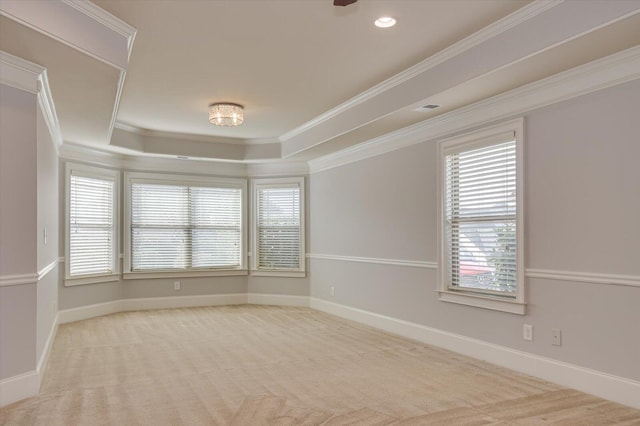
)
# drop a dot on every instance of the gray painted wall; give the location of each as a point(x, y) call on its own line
point(278, 285)
point(83, 295)
point(582, 192)
point(17, 182)
point(17, 329)
point(47, 218)
point(29, 200)
point(18, 252)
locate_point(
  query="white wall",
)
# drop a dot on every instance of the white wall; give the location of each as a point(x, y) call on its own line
point(582, 192)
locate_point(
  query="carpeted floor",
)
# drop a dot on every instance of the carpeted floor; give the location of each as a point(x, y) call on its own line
point(261, 365)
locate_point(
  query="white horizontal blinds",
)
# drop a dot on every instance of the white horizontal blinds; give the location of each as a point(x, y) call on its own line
point(184, 227)
point(160, 235)
point(481, 217)
point(216, 233)
point(278, 223)
point(91, 225)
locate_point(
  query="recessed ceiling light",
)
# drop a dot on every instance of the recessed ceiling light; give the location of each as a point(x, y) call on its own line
point(385, 22)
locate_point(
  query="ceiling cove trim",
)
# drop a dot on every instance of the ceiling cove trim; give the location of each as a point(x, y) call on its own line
point(116, 104)
point(273, 169)
point(19, 73)
point(600, 74)
point(516, 18)
point(48, 108)
point(24, 75)
point(114, 38)
point(191, 137)
point(97, 157)
point(106, 19)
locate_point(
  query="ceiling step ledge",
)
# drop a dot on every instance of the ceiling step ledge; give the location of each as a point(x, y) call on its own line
point(70, 22)
point(509, 41)
point(610, 71)
point(24, 75)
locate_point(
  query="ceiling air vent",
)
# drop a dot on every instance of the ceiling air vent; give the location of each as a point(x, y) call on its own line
point(428, 107)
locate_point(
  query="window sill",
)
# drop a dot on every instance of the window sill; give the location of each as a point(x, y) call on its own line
point(285, 274)
point(183, 274)
point(485, 302)
point(91, 279)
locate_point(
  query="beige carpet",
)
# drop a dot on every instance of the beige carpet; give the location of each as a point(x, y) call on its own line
point(260, 365)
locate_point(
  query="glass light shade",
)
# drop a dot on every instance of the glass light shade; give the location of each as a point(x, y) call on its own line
point(226, 114)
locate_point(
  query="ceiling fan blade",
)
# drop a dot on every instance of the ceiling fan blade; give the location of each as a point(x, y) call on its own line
point(343, 2)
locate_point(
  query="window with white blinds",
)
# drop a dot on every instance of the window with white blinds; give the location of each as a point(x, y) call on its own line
point(279, 225)
point(185, 227)
point(480, 213)
point(92, 222)
point(481, 218)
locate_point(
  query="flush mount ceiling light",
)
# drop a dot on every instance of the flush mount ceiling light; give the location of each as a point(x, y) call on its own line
point(385, 22)
point(226, 114)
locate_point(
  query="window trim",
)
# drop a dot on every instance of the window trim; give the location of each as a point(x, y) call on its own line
point(276, 182)
point(92, 172)
point(173, 179)
point(515, 305)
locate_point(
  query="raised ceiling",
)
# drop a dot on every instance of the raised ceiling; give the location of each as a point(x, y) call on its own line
point(136, 76)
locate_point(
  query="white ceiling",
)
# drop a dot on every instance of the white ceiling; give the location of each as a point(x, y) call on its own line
point(313, 78)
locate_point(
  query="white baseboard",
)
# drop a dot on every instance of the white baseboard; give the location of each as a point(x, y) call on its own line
point(124, 305)
point(89, 311)
point(44, 357)
point(614, 388)
point(277, 299)
point(26, 385)
point(19, 387)
point(183, 301)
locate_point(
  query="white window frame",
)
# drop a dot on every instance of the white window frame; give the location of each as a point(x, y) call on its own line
point(99, 173)
point(256, 184)
point(171, 179)
point(517, 304)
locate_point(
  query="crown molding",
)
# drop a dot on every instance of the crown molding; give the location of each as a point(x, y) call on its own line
point(48, 108)
point(276, 168)
point(187, 166)
point(105, 18)
point(19, 73)
point(599, 74)
point(94, 156)
point(516, 18)
point(188, 136)
point(562, 22)
point(112, 41)
point(24, 75)
point(102, 158)
point(116, 104)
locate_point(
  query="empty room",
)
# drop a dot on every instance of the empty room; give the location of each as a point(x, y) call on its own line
point(319, 212)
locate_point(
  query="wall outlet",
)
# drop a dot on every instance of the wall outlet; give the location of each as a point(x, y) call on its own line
point(332, 290)
point(527, 332)
point(44, 236)
point(176, 285)
point(556, 337)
